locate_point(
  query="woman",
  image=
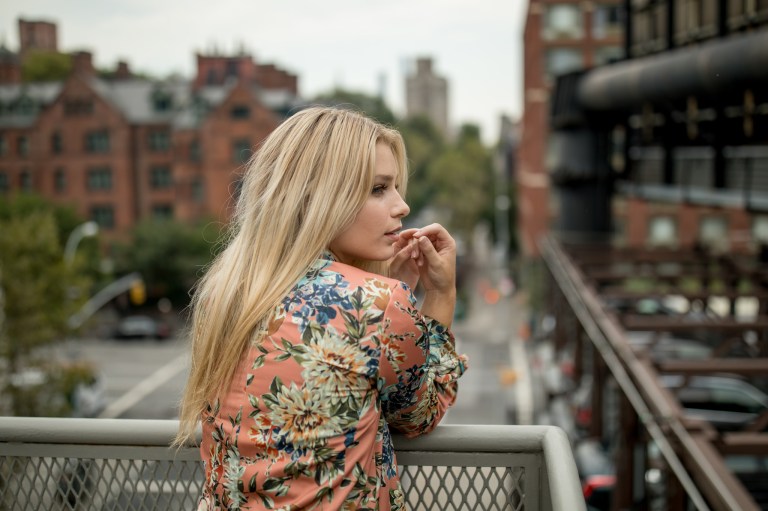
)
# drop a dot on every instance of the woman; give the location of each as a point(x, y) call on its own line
point(304, 353)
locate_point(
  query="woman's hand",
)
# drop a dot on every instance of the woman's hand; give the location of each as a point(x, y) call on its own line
point(436, 259)
point(403, 266)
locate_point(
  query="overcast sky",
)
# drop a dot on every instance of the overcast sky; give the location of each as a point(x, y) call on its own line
point(356, 44)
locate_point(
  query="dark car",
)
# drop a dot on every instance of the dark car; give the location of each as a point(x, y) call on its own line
point(728, 403)
point(141, 327)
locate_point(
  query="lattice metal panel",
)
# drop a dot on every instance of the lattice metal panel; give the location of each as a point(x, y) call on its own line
point(51, 483)
point(474, 482)
point(463, 488)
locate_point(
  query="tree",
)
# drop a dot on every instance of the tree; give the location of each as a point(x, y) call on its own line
point(36, 288)
point(169, 255)
point(372, 106)
point(461, 180)
point(424, 144)
point(45, 66)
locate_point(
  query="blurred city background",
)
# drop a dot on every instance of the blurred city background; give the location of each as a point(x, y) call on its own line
point(610, 202)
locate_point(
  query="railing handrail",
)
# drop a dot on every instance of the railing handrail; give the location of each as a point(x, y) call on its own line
point(160, 433)
point(548, 442)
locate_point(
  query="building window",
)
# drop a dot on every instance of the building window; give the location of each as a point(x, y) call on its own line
point(23, 145)
point(563, 60)
point(240, 112)
point(25, 106)
point(563, 21)
point(57, 145)
point(695, 18)
point(3, 145)
point(59, 180)
point(607, 54)
point(3, 182)
point(760, 229)
point(198, 190)
point(104, 216)
point(160, 177)
point(159, 140)
point(713, 231)
point(97, 141)
point(162, 212)
point(662, 230)
point(694, 167)
point(78, 107)
point(162, 101)
point(25, 181)
point(606, 21)
point(241, 151)
point(99, 178)
point(195, 154)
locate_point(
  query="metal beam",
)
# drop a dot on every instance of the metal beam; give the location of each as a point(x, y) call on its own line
point(685, 323)
point(743, 366)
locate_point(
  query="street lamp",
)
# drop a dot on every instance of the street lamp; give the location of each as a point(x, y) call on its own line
point(89, 228)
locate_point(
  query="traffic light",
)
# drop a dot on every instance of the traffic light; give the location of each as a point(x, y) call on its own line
point(138, 292)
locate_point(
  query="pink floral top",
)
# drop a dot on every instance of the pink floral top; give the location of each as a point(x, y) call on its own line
point(306, 421)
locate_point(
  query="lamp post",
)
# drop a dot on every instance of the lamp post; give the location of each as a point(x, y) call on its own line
point(89, 228)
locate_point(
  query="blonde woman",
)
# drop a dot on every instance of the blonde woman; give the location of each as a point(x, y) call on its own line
point(307, 345)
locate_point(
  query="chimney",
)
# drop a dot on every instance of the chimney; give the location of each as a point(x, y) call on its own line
point(82, 63)
point(123, 72)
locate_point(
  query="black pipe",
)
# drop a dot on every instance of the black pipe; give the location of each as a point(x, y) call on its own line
point(706, 69)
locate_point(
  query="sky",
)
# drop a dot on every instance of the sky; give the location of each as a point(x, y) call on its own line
point(358, 45)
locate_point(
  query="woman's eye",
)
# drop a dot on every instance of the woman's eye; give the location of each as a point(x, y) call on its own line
point(379, 189)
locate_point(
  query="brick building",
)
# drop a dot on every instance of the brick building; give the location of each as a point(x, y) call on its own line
point(560, 36)
point(120, 148)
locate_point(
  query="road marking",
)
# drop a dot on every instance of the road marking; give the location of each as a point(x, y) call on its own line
point(523, 388)
point(146, 387)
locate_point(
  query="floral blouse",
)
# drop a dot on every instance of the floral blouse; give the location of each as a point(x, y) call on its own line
point(306, 421)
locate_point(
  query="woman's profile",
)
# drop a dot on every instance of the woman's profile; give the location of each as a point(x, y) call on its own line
point(308, 346)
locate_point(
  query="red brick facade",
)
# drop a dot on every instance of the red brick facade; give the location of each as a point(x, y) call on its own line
point(126, 149)
point(535, 210)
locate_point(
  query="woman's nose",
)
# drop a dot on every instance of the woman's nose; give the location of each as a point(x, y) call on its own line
point(401, 208)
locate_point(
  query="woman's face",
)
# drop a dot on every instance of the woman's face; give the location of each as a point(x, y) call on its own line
point(373, 233)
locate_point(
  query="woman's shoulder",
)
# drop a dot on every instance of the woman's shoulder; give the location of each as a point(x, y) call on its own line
point(360, 277)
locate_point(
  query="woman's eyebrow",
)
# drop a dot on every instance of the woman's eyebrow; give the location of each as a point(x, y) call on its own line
point(384, 177)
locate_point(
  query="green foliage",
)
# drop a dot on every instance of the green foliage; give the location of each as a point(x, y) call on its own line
point(23, 205)
point(169, 255)
point(38, 293)
point(424, 144)
point(44, 66)
point(372, 106)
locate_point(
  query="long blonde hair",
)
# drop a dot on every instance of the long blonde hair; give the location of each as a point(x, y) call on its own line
point(300, 190)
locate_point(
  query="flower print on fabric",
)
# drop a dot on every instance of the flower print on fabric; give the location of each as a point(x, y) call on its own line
point(306, 421)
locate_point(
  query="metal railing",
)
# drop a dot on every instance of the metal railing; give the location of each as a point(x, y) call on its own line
point(118, 464)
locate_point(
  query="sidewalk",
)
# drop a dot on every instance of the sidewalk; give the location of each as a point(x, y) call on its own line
point(496, 389)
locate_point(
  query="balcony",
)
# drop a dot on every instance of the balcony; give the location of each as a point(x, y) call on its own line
point(115, 464)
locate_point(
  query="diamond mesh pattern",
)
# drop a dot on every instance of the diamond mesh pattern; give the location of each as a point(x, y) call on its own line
point(38, 483)
point(62, 483)
point(463, 488)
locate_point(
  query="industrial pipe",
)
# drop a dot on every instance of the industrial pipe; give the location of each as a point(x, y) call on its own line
point(706, 69)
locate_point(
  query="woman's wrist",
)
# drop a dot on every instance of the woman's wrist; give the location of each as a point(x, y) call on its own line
point(439, 305)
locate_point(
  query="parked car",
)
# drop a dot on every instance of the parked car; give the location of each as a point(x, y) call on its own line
point(728, 403)
point(597, 473)
point(141, 327)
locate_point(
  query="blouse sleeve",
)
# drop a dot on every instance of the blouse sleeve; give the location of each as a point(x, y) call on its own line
point(419, 367)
